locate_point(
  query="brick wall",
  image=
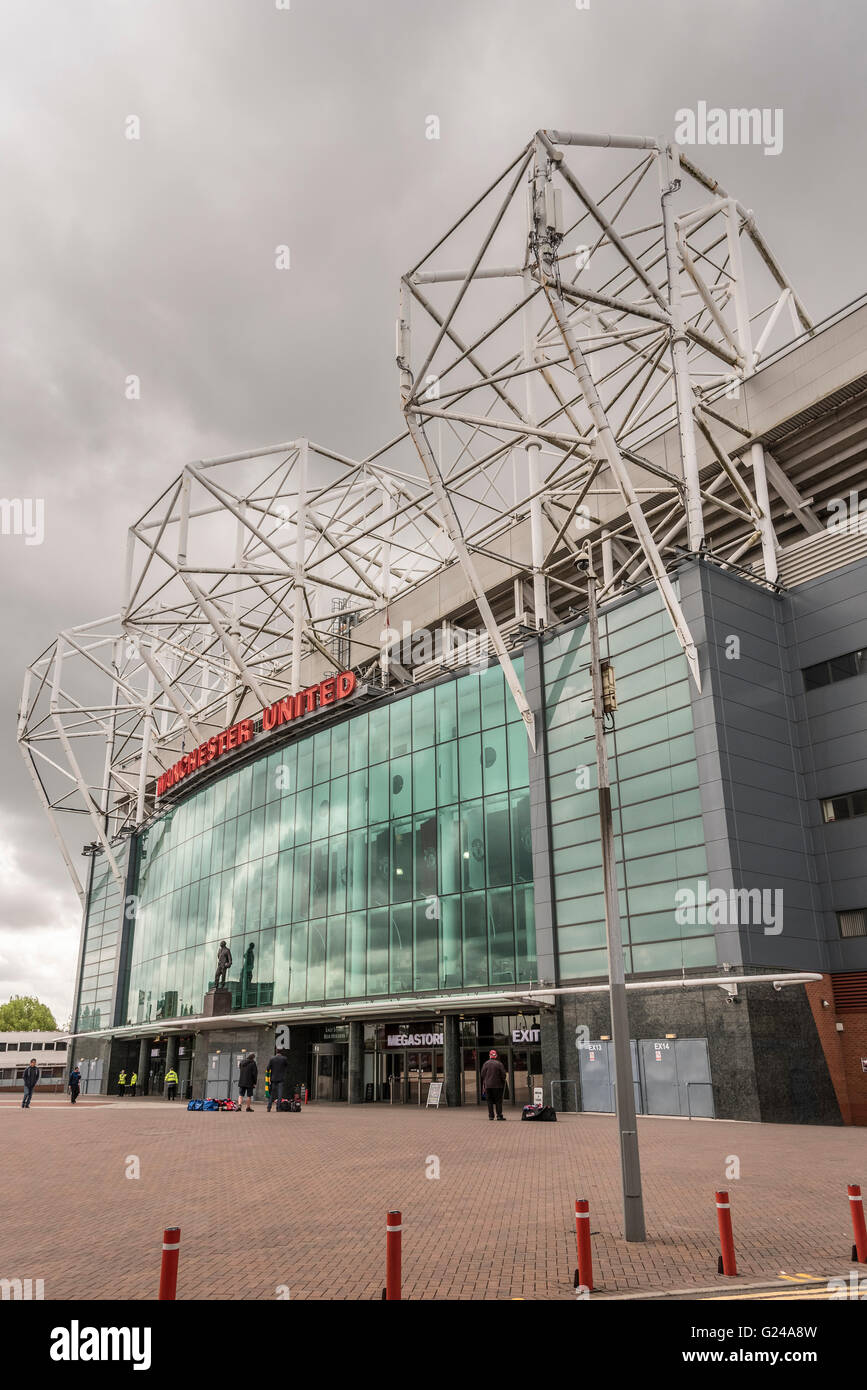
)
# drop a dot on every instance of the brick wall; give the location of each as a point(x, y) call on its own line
point(843, 1050)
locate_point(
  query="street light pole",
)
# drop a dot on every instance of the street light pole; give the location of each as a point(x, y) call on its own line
point(624, 1096)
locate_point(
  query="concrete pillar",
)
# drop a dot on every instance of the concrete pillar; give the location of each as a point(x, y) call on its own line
point(557, 1064)
point(142, 1064)
point(452, 1059)
point(356, 1063)
point(171, 1057)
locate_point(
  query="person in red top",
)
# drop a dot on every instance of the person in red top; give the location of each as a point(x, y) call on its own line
point(494, 1084)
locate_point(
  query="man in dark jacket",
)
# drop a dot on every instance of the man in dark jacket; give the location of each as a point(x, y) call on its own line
point(74, 1084)
point(247, 1078)
point(279, 1069)
point(30, 1078)
point(493, 1084)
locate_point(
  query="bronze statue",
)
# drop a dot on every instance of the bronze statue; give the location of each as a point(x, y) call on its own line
point(224, 960)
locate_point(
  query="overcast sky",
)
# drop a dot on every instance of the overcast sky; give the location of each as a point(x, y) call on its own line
point(305, 126)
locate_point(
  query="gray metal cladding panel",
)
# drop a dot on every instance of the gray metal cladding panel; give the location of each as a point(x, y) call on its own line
point(828, 633)
point(850, 954)
point(841, 695)
point(775, 781)
point(750, 730)
point(838, 778)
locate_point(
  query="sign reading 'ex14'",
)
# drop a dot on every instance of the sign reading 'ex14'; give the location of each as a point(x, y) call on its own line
point(284, 711)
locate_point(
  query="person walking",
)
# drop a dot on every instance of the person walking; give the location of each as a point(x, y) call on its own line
point(121, 1083)
point(133, 1082)
point(171, 1083)
point(279, 1069)
point(74, 1084)
point(30, 1078)
point(247, 1078)
point(494, 1083)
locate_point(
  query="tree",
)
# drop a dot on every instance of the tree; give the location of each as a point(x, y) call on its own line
point(25, 1014)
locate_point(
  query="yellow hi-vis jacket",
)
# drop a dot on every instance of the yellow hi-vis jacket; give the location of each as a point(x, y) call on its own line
point(171, 1078)
point(121, 1080)
point(133, 1079)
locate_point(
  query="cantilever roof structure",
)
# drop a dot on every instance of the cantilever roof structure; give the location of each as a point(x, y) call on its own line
point(581, 359)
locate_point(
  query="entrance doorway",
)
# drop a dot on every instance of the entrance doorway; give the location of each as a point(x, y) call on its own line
point(406, 1073)
point(329, 1071)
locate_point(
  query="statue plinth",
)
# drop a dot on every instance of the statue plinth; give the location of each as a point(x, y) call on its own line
point(217, 1003)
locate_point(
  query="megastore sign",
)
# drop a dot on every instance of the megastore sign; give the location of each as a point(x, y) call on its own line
point(284, 711)
point(414, 1040)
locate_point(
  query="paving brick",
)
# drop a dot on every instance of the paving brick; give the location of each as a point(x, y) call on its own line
point(300, 1200)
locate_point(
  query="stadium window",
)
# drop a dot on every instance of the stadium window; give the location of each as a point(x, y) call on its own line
point(853, 922)
point(845, 807)
point(60, 1047)
point(838, 668)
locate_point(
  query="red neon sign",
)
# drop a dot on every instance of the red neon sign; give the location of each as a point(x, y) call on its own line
point(283, 711)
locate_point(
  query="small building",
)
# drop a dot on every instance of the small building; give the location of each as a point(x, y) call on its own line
point(51, 1051)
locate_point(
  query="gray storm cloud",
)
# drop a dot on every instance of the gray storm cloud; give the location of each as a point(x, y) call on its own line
point(259, 127)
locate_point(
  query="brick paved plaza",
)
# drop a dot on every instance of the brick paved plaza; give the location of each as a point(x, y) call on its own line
point(300, 1200)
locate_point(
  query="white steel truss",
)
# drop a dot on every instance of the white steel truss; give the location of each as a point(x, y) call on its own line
point(537, 381)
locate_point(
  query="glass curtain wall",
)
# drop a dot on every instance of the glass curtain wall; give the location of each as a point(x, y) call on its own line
point(388, 854)
point(101, 943)
point(659, 834)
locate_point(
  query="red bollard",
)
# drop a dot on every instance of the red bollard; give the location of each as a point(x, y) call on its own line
point(856, 1206)
point(584, 1272)
point(169, 1266)
point(727, 1263)
point(393, 1229)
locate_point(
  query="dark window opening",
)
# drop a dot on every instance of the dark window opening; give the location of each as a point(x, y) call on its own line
point(838, 668)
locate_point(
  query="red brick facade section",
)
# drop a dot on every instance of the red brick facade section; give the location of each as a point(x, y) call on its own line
point(843, 1050)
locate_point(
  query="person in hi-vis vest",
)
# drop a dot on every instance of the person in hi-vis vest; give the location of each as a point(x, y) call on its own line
point(133, 1082)
point(121, 1083)
point(171, 1083)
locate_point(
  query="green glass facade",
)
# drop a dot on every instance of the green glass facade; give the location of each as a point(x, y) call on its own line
point(387, 854)
point(659, 834)
point(102, 933)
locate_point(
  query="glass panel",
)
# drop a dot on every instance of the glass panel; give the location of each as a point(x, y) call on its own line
point(380, 836)
point(321, 757)
point(400, 770)
point(378, 733)
point(316, 959)
point(358, 799)
point(424, 789)
point(446, 711)
point(358, 744)
point(493, 697)
point(497, 840)
point(470, 760)
point(334, 983)
point(472, 845)
point(377, 951)
point(305, 764)
point(501, 937)
point(356, 929)
point(425, 963)
point(340, 749)
point(423, 723)
point(475, 942)
point(400, 963)
point(401, 728)
point(401, 861)
point(425, 855)
point(449, 850)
